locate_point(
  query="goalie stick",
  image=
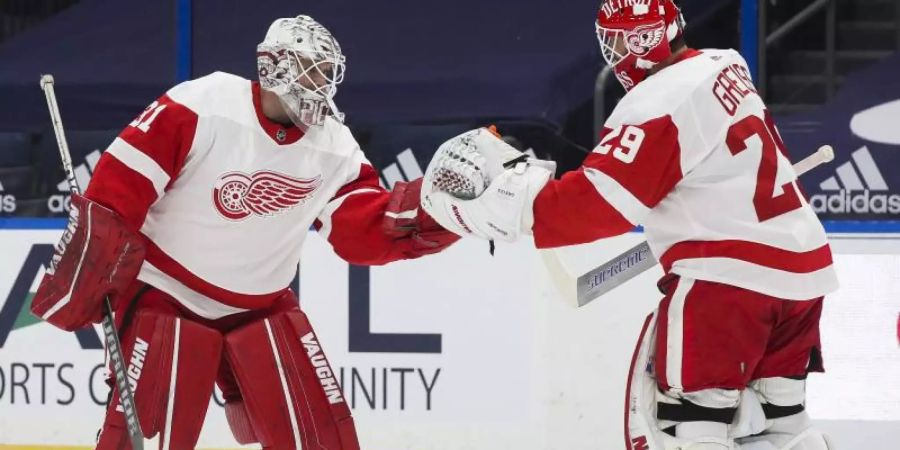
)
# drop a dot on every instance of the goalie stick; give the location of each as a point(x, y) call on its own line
point(636, 260)
point(113, 346)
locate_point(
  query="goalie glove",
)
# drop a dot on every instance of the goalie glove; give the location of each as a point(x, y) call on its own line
point(97, 256)
point(469, 189)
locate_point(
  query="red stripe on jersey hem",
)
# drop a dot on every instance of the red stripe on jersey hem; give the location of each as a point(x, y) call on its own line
point(172, 268)
point(751, 252)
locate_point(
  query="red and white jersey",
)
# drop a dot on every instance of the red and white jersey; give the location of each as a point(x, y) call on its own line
point(225, 197)
point(693, 155)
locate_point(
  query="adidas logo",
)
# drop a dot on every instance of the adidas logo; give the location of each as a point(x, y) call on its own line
point(408, 164)
point(7, 202)
point(60, 203)
point(858, 187)
point(82, 172)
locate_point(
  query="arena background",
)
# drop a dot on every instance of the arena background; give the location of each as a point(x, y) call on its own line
point(462, 350)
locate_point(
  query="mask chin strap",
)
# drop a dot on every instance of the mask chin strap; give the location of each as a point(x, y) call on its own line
point(335, 112)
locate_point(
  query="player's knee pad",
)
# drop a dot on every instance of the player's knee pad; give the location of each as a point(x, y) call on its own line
point(780, 396)
point(290, 392)
point(172, 365)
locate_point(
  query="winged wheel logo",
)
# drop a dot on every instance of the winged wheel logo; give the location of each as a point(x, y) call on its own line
point(264, 193)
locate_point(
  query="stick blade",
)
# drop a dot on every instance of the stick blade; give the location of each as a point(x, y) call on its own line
point(611, 275)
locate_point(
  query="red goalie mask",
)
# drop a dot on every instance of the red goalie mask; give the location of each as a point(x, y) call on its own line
point(635, 36)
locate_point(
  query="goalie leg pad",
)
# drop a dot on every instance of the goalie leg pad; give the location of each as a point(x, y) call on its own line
point(235, 409)
point(788, 433)
point(642, 431)
point(289, 390)
point(172, 364)
point(655, 420)
point(780, 397)
point(788, 425)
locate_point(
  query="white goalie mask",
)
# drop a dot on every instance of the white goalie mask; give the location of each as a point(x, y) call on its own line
point(301, 62)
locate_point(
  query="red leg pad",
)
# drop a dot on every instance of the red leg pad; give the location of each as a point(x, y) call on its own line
point(170, 360)
point(290, 392)
point(235, 410)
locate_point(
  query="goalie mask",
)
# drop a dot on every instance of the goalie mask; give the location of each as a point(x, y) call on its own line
point(301, 62)
point(635, 36)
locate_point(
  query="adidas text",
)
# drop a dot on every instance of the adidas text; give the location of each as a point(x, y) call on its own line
point(856, 202)
point(7, 202)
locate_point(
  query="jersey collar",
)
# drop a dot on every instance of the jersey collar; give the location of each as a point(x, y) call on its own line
point(282, 135)
point(687, 54)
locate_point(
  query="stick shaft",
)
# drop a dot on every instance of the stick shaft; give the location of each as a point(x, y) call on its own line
point(823, 155)
point(113, 345)
point(60, 132)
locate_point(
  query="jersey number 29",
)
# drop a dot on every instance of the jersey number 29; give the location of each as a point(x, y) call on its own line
point(624, 141)
point(767, 204)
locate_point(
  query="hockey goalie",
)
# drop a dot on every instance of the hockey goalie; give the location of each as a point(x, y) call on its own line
point(193, 225)
point(693, 155)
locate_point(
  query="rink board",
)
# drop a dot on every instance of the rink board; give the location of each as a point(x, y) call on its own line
point(463, 350)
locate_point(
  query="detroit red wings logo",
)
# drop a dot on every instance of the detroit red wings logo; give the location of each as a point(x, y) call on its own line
point(645, 38)
point(237, 195)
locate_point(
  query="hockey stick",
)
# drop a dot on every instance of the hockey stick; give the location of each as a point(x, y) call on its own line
point(113, 346)
point(635, 260)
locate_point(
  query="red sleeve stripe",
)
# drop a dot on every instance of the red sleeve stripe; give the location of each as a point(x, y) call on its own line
point(411, 214)
point(752, 252)
point(616, 195)
point(138, 161)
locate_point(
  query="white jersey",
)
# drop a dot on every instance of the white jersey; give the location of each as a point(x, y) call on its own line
point(693, 155)
point(225, 197)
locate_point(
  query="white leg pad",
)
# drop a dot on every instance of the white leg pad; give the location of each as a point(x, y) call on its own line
point(780, 391)
point(644, 431)
point(788, 433)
